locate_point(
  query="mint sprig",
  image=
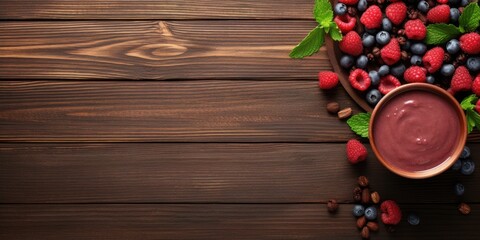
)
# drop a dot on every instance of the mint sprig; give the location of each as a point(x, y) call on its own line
point(473, 118)
point(468, 22)
point(359, 123)
point(323, 14)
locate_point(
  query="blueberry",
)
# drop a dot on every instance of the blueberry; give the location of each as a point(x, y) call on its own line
point(454, 15)
point(340, 9)
point(375, 77)
point(406, 46)
point(430, 79)
point(418, 48)
point(398, 70)
point(382, 37)
point(468, 167)
point(371, 31)
point(362, 61)
point(387, 25)
point(362, 5)
point(447, 70)
point(358, 210)
point(368, 40)
point(464, 3)
point(371, 213)
point(413, 219)
point(465, 152)
point(459, 189)
point(384, 70)
point(373, 97)
point(473, 64)
point(457, 165)
point(423, 6)
point(453, 46)
point(346, 61)
point(416, 60)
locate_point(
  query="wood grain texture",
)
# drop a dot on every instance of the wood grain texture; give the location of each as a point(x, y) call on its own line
point(148, 9)
point(206, 173)
point(212, 221)
point(156, 50)
point(173, 111)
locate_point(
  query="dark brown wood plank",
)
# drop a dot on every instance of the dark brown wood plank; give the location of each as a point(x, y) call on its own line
point(148, 9)
point(200, 173)
point(173, 111)
point(156, 50)
point(213, 221)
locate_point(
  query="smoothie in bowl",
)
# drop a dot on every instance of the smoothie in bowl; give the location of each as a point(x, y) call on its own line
point(418, 130)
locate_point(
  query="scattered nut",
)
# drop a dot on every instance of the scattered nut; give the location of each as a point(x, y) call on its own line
point(332, 205)
point(357, 194)
point(375, 197)
point(345, 113)
point(372, 226)
point(365, 233)
point(464, 208)
point(361, 221)
point(365, 196)
point(333, 107)
point(363, 181)
point(376, 52)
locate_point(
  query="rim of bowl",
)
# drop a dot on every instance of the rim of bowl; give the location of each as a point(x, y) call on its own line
point(458, 149)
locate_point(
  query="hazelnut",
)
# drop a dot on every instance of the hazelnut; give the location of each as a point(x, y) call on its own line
point(332, 206)
point(464, 208)
point(362, 181)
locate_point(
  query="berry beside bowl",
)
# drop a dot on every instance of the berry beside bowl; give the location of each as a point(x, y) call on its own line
point(418, 130)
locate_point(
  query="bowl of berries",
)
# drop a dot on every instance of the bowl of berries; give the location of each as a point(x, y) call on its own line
point(389, 43)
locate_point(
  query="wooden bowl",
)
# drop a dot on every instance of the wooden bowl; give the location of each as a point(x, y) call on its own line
point(441, 167)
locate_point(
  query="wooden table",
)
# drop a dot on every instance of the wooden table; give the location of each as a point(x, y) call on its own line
point(185, 120)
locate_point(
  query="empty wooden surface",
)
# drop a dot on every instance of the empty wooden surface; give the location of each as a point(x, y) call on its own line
point(185, 120)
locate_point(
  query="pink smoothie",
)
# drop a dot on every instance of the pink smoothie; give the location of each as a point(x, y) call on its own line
point(416, 130)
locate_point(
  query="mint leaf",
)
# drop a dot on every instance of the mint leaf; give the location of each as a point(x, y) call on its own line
point(469, 20)
point(323, 13)
point(335, 32)
point(440, 33)
point(310, 44)
point(468, 103)
point(470, 123)
point(359, 124)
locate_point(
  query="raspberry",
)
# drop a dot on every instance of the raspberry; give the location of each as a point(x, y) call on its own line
point(349, 2)
point(415, 74)
point(470, 43)
point(345, 23)
point(476, 86)
point(461, 80)
point(372, 17)
point(359, 79)
point(327, 80)
point(477, 106)
point(391, 213)
point(439, 14)
point(442, 1)
point(351, 44)
point(388, 83)
point(391, 52)
point(433, 59)
point(356, 152)
point(396, 12)
point(415, 29)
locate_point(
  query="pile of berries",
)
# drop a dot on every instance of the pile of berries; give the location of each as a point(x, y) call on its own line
point(384, 46)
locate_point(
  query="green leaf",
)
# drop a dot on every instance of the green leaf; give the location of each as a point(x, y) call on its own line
point(469, 20)
point(335, 32)
point(468, 103)
point(323, 13)
point(310, 44)
point(440, 33)
point(359, 124)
